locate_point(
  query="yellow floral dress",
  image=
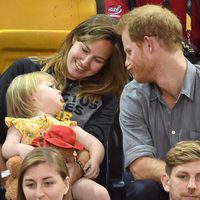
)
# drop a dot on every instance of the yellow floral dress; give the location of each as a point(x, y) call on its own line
point(35, 127)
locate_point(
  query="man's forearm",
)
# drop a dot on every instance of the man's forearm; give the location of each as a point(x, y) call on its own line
point(147, 168)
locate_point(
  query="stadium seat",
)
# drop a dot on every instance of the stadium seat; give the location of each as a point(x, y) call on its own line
point(117, 176)
point(38, 27)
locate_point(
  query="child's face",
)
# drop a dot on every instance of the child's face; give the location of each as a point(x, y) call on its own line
point(48, 98)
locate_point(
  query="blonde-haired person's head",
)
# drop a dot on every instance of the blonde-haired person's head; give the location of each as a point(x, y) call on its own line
point(153, 20)
point(182, 152)
point(42, 155)
point(19, 99)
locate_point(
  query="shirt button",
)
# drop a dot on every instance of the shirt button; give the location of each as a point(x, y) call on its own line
point(173, 132)
point(168, 111)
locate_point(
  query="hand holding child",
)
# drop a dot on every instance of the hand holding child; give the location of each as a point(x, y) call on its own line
point(92, 168)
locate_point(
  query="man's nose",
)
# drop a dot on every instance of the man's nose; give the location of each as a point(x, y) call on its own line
point(191, 183)
point(127, 62)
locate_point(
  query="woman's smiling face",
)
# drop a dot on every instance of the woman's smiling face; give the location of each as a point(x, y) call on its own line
point(87, 59)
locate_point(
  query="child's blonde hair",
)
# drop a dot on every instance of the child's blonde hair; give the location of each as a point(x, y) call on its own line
point(19, 94)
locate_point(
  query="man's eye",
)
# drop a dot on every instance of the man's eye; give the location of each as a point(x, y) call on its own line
point(85, 50)
point(198, 178)
point(182, 177)
point(128, 52)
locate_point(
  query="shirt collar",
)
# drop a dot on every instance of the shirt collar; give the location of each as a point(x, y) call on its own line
point(188, 84)
point(189, 81)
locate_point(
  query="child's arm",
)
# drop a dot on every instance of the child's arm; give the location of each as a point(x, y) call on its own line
point(2, 167)
point(95, 148)
point(12, 145)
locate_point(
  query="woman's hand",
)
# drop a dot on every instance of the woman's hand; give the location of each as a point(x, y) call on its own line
point(92, 169)
point(75, 171)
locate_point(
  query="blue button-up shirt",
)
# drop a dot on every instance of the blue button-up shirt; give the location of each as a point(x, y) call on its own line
point(149, 127)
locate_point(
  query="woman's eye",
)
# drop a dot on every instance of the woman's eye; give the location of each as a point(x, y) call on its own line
point(49, 183)
point(100, 61)
point(30, 185)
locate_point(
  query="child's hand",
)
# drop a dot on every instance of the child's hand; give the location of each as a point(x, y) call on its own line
point(24, 149)
point(92, 168)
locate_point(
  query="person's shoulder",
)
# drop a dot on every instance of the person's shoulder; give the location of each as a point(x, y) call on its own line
point(137, 87)
point(137, 96)
point(20, 66)
point(26, 64)
point(23, 61)
point(138, 91)
point(198, 67)
point(193, 68)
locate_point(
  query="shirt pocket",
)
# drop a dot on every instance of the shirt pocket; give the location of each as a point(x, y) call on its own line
point(189, 134)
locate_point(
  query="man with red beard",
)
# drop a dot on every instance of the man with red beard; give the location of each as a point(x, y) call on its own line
point(160, 107)
point(182, 176)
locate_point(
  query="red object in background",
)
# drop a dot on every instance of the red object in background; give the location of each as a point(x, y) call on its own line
point(115, 8)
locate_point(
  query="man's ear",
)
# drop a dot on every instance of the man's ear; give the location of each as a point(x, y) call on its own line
point(165, 180)
point(149, 43)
